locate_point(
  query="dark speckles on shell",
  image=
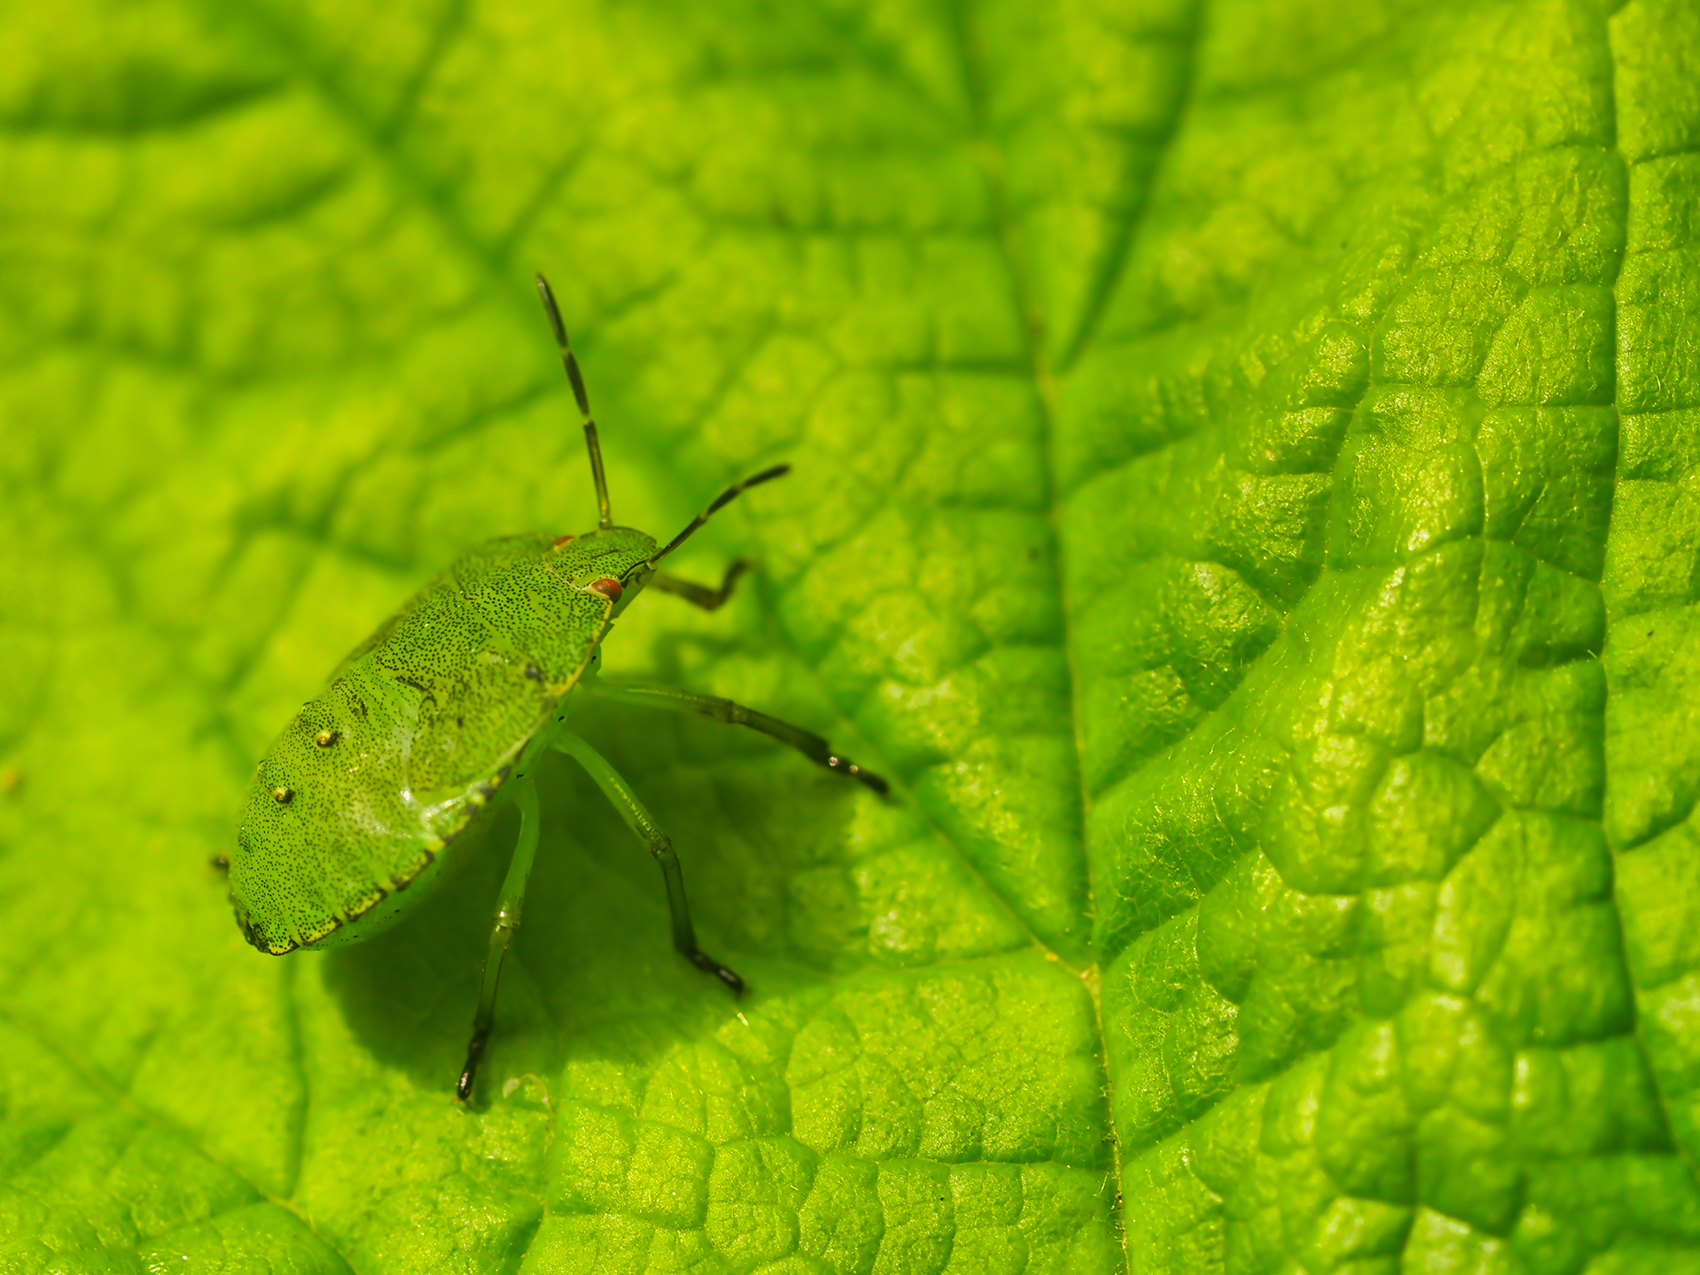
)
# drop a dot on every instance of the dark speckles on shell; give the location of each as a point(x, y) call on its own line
point(427, 718)
point(419, 686)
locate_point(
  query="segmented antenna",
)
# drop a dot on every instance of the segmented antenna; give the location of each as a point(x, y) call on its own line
point(719, 502)
point(576, 379)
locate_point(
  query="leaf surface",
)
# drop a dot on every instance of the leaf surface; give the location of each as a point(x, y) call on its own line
point(1244, 497)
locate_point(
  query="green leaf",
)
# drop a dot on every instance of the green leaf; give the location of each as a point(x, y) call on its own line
point(1246, 460)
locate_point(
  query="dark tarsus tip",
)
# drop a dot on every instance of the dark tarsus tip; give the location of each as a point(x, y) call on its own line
point(221, 862)
point(844, 766)
point(469, 1073)
point(708, 965)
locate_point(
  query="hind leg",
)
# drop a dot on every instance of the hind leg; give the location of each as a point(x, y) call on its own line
point(657, 842)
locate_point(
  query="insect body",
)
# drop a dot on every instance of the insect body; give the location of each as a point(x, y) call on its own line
point(354, 813)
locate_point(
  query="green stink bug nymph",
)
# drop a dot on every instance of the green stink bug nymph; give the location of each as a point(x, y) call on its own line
point(354, 813)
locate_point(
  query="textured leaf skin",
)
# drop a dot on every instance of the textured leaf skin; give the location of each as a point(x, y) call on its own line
point(1246, 458)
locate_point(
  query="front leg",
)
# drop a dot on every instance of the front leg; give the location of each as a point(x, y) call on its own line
point(726, 711)
point(700, 595)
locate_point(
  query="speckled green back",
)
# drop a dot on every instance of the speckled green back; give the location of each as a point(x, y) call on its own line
point(424, 721)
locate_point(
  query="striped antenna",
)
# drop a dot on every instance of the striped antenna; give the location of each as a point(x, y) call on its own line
point(576, 379)
point(719, 502)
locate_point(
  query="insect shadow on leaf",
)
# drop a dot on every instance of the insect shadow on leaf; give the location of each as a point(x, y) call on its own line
point(590, 975)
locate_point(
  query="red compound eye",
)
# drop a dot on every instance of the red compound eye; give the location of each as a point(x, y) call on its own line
point(609, 589)
point(559, 541)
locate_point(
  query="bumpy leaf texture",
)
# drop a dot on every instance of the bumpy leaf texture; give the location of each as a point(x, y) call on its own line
point(1247, 496)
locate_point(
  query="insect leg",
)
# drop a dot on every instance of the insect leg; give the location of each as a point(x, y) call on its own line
point(726, 711)
point(700, 595)
point(640, 821)
point(502, 933)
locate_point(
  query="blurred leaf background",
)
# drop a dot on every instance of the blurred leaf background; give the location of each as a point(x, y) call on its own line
point(1245, 459)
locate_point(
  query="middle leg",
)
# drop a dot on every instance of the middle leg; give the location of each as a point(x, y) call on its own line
point(502, 931)
point(726, 711)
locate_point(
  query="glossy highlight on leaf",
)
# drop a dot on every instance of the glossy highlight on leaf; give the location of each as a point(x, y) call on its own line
point(1243, 466)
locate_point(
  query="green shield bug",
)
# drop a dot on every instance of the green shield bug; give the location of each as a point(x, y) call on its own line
point(354, 814)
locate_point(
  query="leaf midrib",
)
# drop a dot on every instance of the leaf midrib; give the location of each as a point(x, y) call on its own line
point(496, 261)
